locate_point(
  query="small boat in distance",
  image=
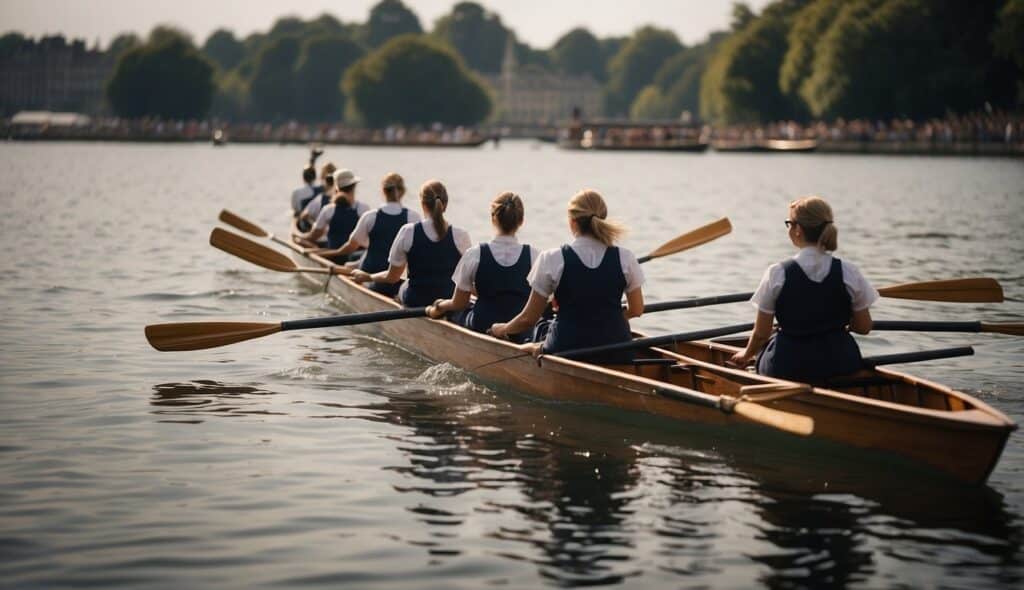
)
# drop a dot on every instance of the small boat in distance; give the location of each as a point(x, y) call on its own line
point(613, 135)
point(777, 146)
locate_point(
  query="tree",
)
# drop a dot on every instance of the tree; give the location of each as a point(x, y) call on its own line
point(478, 36)
point(414, 80)
point(318, 74)
point(808, 27)
point(742, 16)
point(272, 89)
point(578, 53)
point(122, 43)
point(224, 49)
point(937, 59)
point(651, 104)
point(11, 43)
point(635, 66)
point(388, 19)
point(167, 77)
point(677, 82)
point(741, 82)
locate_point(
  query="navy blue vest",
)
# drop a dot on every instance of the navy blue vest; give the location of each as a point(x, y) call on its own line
point(385, 228)
point(431, 265)
point(812, 343)
point(342, 223)
point(501, 291)
point(303, 202)
point(590, 307)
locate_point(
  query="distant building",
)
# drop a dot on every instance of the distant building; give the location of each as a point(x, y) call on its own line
point(54, 75)
point(531, 96)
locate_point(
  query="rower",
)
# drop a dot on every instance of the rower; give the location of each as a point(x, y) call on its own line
point(324, 191)
point(817, 298)
point(495, 271)
point(587, 278)
point(376, 230)
point(305, 193)
point(337, 219)
point(430, 248)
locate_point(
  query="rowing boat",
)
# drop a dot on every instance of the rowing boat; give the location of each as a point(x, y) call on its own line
point(877, 409)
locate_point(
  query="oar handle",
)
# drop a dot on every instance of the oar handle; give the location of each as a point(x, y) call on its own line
point(913, 357)
point(654, 341)
point(354, 319)
point(698, 302)
point(644, 259)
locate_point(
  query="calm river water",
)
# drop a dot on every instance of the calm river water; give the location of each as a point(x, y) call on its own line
point(328, 458)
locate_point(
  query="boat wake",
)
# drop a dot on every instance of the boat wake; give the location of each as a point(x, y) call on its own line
point(447, 379)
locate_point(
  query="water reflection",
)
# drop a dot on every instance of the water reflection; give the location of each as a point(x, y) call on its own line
point(594, 497)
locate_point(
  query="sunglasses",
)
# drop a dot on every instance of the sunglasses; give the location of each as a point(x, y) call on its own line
point(789, 223)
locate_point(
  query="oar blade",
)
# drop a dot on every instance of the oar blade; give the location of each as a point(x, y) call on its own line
point(792, 423)
point(692, 239)
point(976, 290)
point(242, 224)
point(249, 250)
point(200, 335)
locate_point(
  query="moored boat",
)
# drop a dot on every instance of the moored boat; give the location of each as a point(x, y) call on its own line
point(765, 145)
point(882, 410)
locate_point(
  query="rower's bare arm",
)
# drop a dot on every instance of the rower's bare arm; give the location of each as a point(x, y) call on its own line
point(534, 308)
point(345, 250)
point(861, 322)
point(390, 276)
point(634, 303)
point(458, 302)
point(758, 338)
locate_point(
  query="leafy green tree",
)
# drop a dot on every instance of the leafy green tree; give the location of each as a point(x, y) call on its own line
point(167, 77)
point(677, 82)
point(477, 35)
point(414, 80)
point(651, 103)
point(272, 94)
point(936, 59)
point(741, 82)
point(318, 74)
point(635, 66)
point(122, 43)
point(388, 19)
point(808, 27)
point(578, 53)
point(224, 49)
point(231, 97)
point(162, 33)
point(11, 43)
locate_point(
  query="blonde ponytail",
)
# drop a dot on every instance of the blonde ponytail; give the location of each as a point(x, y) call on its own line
point(393, 186)
point(434, 197)
point(814, 216)
point(591, 215)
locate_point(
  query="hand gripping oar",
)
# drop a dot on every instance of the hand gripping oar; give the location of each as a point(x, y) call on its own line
point(690, 239)
point(200, 335)
point(259, 254)
point(974, 290)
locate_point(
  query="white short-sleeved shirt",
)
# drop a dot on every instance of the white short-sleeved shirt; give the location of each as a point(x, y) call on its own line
point(301, 194)
point(361, 234)
point(403, 241)
point(506, 251)
point(816, 264)
point(547, 270)
point(324, 218)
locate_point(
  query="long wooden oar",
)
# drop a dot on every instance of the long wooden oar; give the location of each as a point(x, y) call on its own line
point(1011, 328)
point(200, 335)
point(259, 254)
point(916, 357)
point(239, 222)
point(690, 239)
point(974, 290)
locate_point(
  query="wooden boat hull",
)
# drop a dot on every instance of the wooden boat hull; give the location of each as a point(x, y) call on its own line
point(695, 147)
point(948, 430)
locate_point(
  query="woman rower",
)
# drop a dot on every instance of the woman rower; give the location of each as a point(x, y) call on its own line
point(495, 271)
point(376, 231)
point(816, 299)
point(430, 248)
point(335, 222)
point(588, 278)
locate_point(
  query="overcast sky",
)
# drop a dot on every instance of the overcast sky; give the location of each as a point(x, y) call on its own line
point(537, 22)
